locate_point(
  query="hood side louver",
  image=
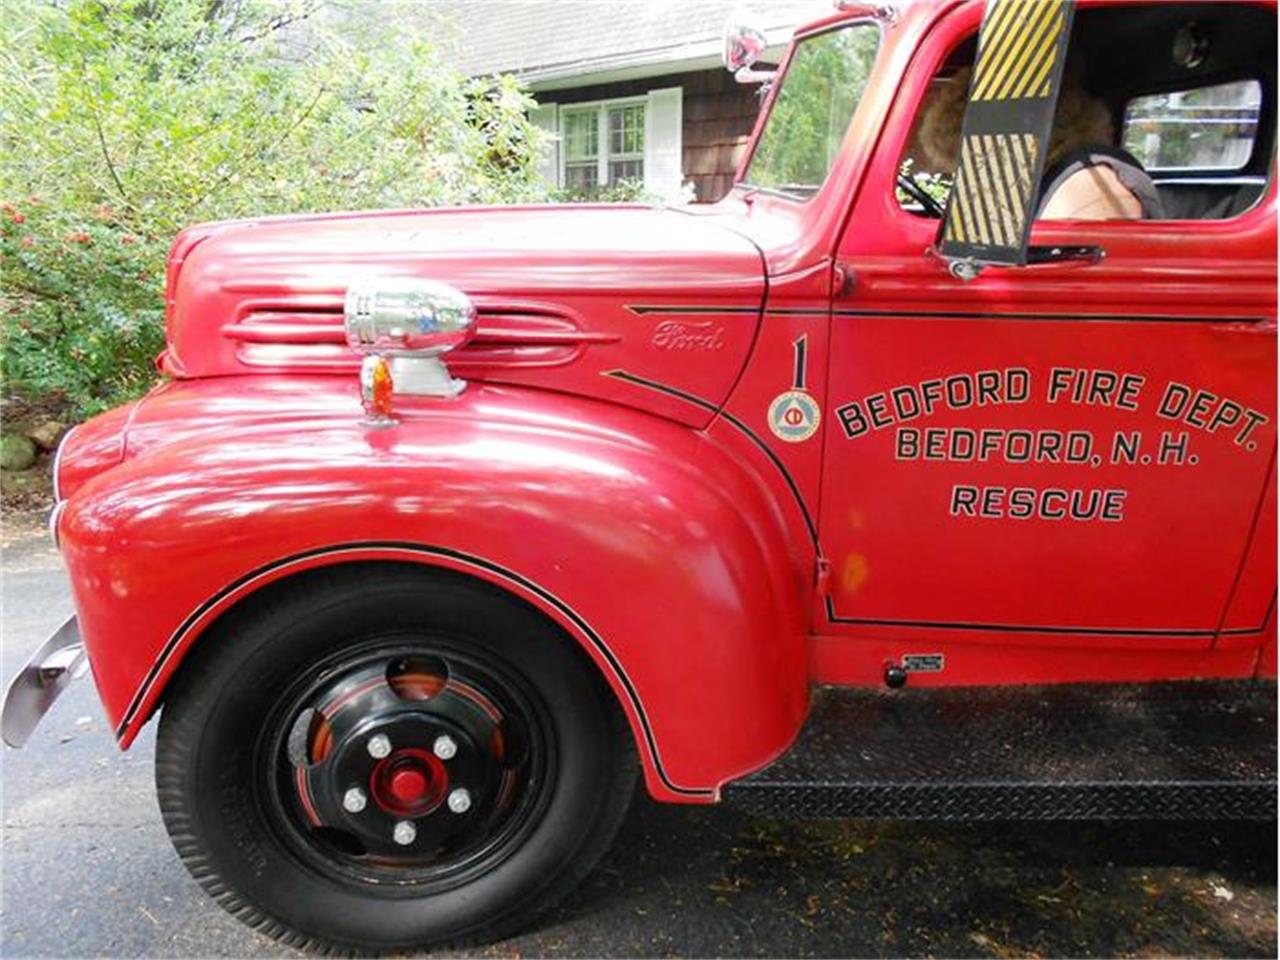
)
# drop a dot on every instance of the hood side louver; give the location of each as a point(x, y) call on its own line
point(304, 334)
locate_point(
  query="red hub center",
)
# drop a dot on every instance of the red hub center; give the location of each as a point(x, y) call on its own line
point(409, 783)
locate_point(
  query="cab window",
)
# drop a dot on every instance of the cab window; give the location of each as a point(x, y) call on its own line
point(1206, 128)
point(1166, 112)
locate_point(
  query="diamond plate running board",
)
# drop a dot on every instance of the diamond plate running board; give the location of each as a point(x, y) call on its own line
point(1191, 750)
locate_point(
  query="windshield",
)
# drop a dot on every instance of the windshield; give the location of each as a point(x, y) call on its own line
point(811, 112)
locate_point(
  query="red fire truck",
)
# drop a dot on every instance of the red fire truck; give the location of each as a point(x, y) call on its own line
point(874, 489)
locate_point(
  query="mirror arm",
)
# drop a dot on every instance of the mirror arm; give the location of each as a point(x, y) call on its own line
point(748, 75)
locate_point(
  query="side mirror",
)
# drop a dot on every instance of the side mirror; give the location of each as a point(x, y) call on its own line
point(743, 46)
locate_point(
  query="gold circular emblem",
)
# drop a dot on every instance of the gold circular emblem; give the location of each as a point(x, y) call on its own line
point(794, 416)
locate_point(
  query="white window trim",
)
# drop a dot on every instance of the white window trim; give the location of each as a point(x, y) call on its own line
point(602, 131)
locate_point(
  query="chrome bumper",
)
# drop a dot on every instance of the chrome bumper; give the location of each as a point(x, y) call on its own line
point(50, 670)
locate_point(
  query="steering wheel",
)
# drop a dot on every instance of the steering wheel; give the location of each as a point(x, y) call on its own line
point(918, 194)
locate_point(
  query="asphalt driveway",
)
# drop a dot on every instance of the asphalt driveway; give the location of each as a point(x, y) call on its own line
point(88, 870)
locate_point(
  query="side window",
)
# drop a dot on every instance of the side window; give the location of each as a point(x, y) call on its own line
point(1208, 128)
point(1147, 124)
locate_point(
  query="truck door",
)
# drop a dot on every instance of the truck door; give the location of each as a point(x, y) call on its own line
point(1072, 451)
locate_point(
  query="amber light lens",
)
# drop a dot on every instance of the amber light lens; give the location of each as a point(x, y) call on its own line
point(377, 388)
point(382, 388)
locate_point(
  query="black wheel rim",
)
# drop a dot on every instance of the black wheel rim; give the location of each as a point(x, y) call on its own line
point(411, 764)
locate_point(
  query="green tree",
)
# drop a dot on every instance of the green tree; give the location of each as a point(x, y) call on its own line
point(122, 121)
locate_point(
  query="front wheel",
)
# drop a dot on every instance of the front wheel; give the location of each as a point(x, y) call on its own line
point(380, 758)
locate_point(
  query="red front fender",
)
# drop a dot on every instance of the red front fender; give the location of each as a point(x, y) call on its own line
point(647, 542)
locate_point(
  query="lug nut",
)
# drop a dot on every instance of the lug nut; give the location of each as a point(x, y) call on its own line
point(353, 801)
point(445, 748)
point(404, 833)
point(379, 746)
point(459, 800)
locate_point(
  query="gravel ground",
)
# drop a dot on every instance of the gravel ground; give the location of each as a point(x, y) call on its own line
point(88, 870)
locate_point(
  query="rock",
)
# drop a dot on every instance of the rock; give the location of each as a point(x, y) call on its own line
point(47, 433)
point(16, 452)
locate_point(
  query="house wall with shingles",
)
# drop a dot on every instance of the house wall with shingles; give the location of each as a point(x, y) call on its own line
point(718, 116)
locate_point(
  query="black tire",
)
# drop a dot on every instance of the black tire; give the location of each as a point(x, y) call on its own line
point(225, 788)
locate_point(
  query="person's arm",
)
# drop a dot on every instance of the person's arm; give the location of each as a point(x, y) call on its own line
point(1093, 193)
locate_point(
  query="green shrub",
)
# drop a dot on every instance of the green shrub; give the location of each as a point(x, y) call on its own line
point(122, 122)
point(624, 191)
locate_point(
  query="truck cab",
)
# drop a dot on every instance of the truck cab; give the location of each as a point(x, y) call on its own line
point(930, 473)
point(1007, 459)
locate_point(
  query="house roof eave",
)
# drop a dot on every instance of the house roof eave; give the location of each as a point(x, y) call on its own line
point(644, 63)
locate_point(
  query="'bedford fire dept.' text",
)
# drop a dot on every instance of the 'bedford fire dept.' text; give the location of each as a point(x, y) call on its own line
point(1179, 403)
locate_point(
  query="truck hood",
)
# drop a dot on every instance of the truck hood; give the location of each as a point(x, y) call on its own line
point(568, 296)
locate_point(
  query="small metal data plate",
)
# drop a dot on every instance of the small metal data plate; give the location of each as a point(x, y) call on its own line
point(923, 662)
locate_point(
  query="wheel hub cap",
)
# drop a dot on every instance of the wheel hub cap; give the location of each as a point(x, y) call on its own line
point(409, 783)
point(408, 786)
point(441, 761)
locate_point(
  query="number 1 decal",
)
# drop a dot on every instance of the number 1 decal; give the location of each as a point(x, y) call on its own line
point(794, 414)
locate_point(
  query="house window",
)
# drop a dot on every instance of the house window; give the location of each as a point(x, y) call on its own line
point(626, 142)
point(581, 150)
point(597, 144)
point(603, 144)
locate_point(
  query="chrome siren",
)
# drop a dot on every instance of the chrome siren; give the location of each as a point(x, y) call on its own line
point(403, 326)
